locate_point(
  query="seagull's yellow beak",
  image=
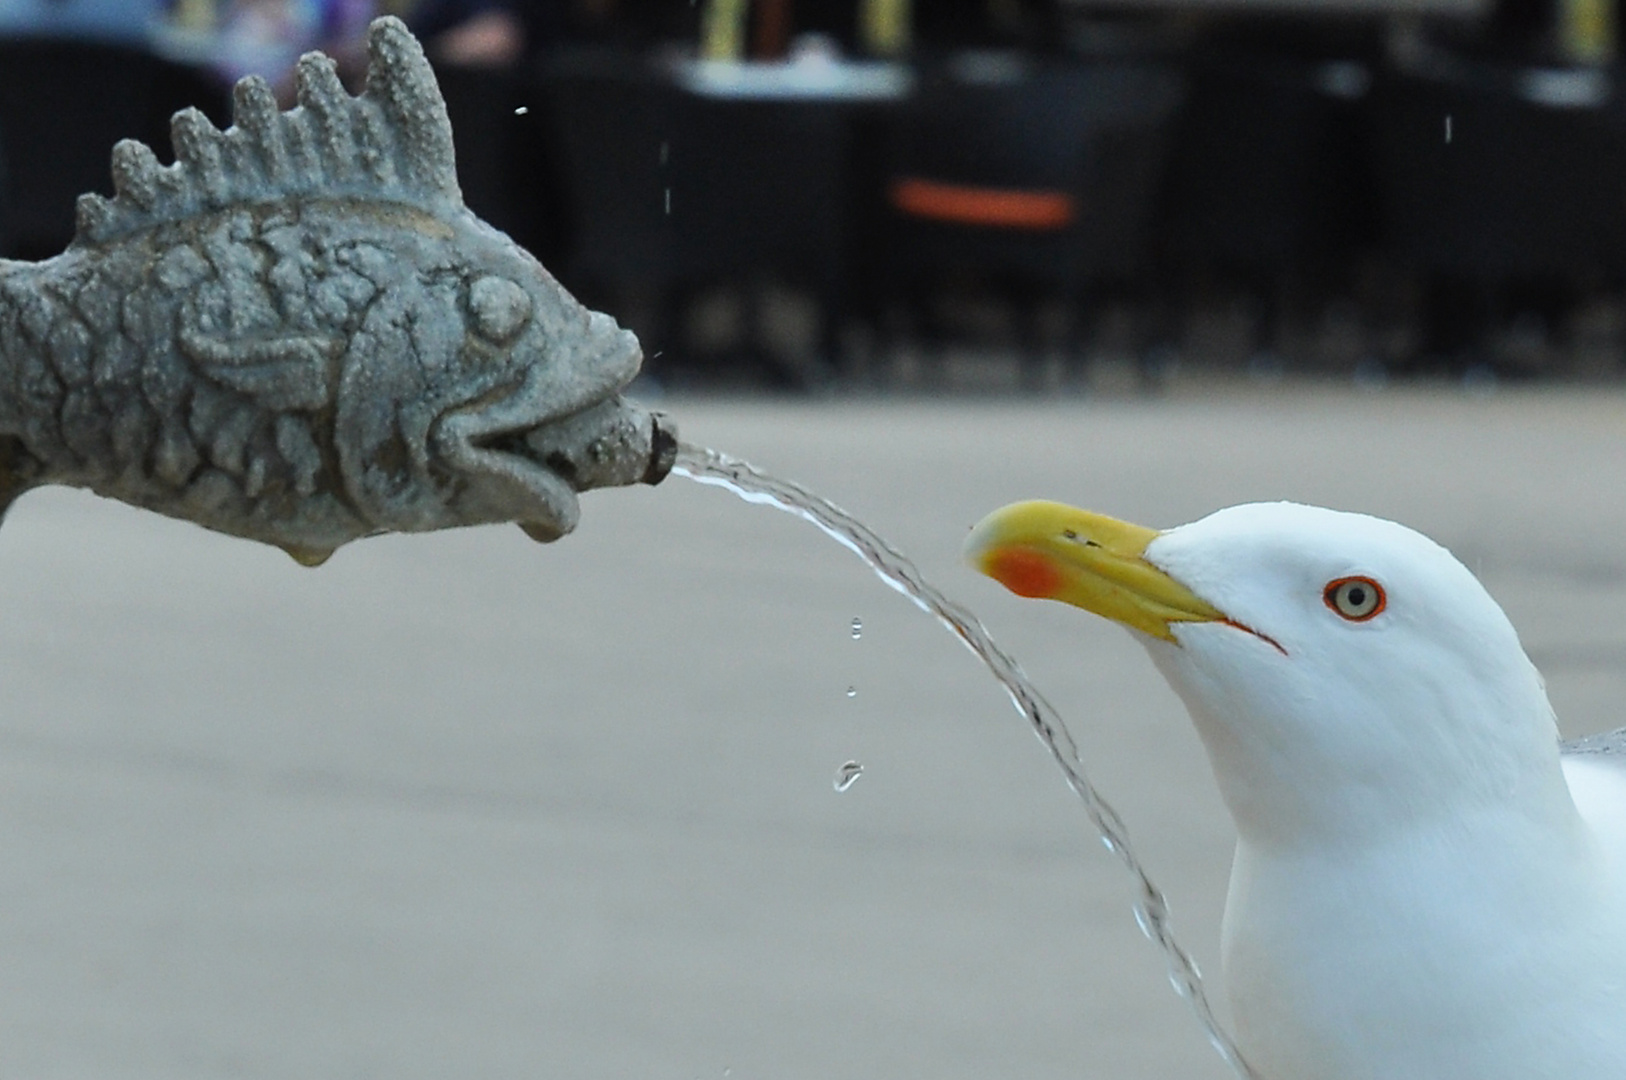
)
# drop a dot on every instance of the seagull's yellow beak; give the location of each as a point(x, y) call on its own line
point(1052, 551)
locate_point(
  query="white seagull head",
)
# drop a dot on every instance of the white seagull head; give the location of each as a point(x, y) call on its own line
point(1349, 677)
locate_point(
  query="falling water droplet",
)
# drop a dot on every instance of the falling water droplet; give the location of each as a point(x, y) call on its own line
point(668, 200)
point(852, 691)
point(1447, 127)
point(1185, 984)
point(858, 628)
point(848, 775)
point(522, 110)
point(1143, 919)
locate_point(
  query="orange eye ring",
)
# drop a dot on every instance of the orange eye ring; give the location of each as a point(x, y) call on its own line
point(1356, 599)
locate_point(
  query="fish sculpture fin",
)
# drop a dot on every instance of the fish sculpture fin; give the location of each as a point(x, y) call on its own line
point(287, 373)
point(392, 143)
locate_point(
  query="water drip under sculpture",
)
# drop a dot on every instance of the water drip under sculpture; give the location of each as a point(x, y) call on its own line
point(298, 334)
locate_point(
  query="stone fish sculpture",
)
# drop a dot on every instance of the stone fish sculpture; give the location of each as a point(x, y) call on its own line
point(298, 334)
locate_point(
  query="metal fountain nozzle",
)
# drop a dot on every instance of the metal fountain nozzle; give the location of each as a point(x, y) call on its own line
point(615, 443)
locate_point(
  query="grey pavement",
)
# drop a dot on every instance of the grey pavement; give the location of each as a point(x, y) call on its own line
point(460, 805)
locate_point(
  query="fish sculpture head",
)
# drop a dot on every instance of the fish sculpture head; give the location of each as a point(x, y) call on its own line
point(475, 389)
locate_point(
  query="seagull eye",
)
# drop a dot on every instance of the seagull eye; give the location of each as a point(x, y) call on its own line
point(1355, 598)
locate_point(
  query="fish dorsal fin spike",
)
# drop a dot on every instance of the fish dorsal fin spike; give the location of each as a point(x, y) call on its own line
point(93, 217)
point(257, 126)
point(135, 173)
point(400, 79)
point(317, 84)
point(324, 98)
point(198, 147)
point(304, 149)
point(392, 144)
point(377, 153)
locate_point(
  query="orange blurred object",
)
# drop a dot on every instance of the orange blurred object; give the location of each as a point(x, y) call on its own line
point(1010, 208)
point(771, 39)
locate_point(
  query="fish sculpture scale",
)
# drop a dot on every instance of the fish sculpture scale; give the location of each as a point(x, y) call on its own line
point(297, 333)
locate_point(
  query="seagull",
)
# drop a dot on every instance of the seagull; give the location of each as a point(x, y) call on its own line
point(1427, 884)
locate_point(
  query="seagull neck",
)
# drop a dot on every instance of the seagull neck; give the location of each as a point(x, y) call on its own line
point(1353, 777)
point(1303, 806)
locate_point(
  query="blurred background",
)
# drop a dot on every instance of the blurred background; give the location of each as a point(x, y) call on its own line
point(1020, 194)
point(459, 805)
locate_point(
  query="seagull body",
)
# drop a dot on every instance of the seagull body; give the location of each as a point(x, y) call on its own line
point(1426, 886)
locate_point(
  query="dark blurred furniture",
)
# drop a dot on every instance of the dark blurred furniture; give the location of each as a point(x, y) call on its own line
point(1269, 169)
point(1036, 175)
point(504, 162)
point(674, 185)
point(610, 119)
point(1532, 180)
point(63, 104)
point(1269, 189)
point(5, 203)
point(1521, 206)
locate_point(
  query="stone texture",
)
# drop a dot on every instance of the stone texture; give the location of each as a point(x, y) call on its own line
point(297, 333)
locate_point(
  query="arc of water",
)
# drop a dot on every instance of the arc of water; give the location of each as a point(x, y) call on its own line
point(1151, 908)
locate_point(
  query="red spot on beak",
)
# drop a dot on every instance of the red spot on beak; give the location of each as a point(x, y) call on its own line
point(1024, 571)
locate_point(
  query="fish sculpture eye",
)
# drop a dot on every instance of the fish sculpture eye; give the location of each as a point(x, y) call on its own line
point(500, 307)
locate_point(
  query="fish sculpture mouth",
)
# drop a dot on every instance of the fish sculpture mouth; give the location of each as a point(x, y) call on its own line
point(516, 455)
point(525, 445)
point(538, 446)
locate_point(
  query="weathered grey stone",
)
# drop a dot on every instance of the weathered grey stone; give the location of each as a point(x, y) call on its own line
point(297, 333)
